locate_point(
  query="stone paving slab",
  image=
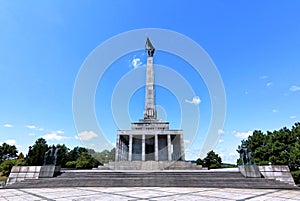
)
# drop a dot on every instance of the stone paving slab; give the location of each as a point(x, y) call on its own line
point(146, 193)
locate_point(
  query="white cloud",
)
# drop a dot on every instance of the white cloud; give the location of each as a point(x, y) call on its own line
point(136, 62)
point(274, 110)
point(86, 135)
point(8, 125)
point(196, 100)
point(192, 153)
point(263, 77)
point(293, 117)
point(53, 136)
point(34, 127)
point(233, 154)
point(92, 145)
point(11, 142)
point(31, 126)
point(31, 134)
point(294, 88)
point(269, 84)
point(242, 135)
point(221, 140)
point(220, 131)
point(60, 132)
point(230, 157)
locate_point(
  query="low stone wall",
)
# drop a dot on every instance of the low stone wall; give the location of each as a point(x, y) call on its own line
point(20, 173)
point(278, 172)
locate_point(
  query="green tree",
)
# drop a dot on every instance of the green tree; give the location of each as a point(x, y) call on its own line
point(199, 161)
point(63, 156)
point(105, 156)
point(71, 164)
point(112, 154)
point(296, 176)
point(81, 158)
point(281, 142)
point(295, 149)
point(212, 160)
point(7, 152)
point(258, 144)
point(36, 153)
point(76, 152)
point(280, 147)
point(5, 166)
point(86, 161)
point(295, 157)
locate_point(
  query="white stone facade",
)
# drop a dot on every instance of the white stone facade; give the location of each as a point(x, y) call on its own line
point(148, 141)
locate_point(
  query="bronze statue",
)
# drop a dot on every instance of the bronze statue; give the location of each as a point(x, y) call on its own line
point(245, 154)
point(51, 156)
point(149, 47)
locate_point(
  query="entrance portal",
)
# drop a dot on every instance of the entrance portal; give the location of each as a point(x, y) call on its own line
point(149, 148)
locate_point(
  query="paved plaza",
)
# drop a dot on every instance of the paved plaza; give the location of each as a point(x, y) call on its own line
point(147, 193)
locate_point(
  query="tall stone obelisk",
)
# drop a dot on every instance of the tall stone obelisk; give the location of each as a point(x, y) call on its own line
point(150, 109)
point(150, 139)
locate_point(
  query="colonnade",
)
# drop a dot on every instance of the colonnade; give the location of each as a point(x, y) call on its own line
point(145, 147)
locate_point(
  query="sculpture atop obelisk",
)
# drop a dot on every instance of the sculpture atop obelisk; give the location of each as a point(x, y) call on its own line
point(150, 109)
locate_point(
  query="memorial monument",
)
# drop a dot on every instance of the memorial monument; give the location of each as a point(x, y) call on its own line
point(150, 139)
point(150, 144)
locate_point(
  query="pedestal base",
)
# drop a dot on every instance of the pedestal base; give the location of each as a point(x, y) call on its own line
point(250, 171)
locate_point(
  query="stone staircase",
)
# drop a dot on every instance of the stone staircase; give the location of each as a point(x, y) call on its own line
point(169, 178)
point(150, 165)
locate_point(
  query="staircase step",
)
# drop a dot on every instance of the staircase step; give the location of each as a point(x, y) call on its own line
point(152, 179)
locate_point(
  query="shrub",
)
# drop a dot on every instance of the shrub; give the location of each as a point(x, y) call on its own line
point(83, 164)
point(71, 164)
point(5, 166)
point(296, 176)
point(86, 161)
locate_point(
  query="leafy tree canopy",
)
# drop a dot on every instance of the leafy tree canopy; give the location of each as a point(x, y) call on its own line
point(105, 156)
point(212, 161)
point(36, 152)
point(7, 152)
point(280, 147)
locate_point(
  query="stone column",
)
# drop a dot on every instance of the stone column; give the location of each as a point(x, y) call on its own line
point(182, 147)
point(130, 148)
point(169, 148)
point(121, 149)
point(117, 148)
point(143, 147)
point(156, 147)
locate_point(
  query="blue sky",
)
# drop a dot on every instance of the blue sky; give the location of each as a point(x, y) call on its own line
point(255, 46)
